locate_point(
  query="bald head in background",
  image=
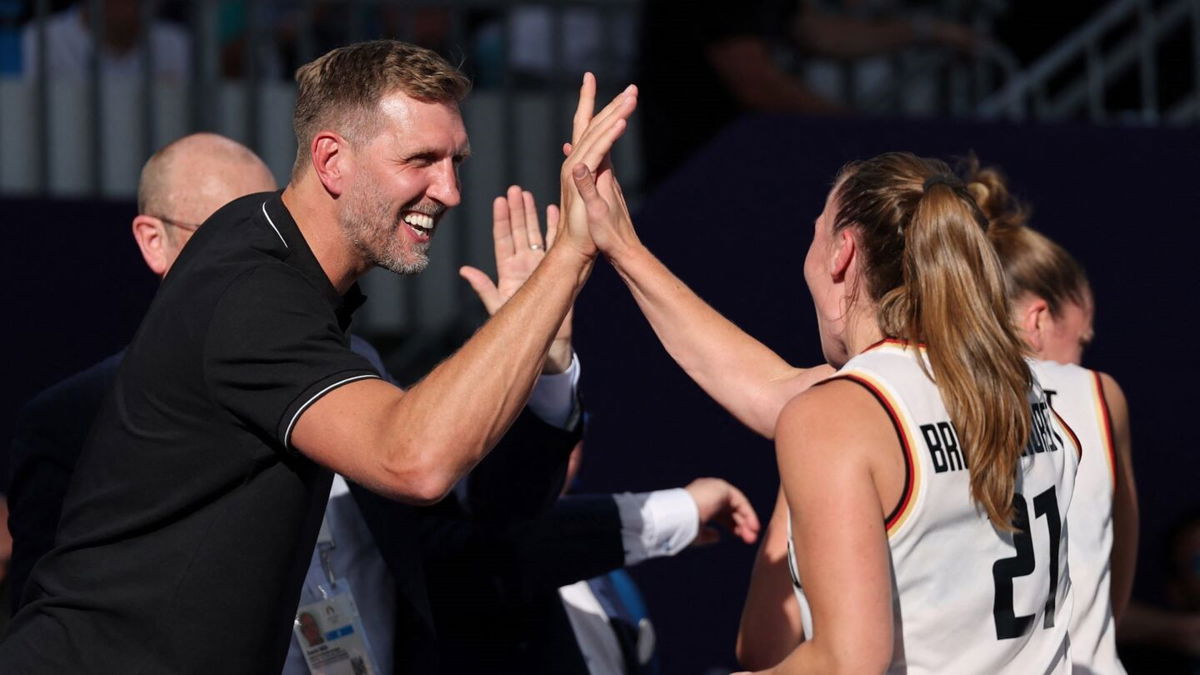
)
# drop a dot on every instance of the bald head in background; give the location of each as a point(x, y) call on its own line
point(186, 182)
point(181, 186)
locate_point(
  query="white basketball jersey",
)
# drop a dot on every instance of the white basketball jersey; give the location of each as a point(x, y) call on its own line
point(968, 598)
point(1077, 396)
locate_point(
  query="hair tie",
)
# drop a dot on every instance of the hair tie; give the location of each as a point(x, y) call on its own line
point(942, 179)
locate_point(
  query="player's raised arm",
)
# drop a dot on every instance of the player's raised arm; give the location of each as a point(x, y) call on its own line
point(742, 374)
point(415, 445)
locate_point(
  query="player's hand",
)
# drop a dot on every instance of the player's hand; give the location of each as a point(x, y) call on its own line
point(722, 504)
point(608, 219)
point(591, 141)
point(519, 248)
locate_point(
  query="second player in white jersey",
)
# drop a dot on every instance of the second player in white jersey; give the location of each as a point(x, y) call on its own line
point(1077, 395)
point(1051, 302)
point(1022, 576)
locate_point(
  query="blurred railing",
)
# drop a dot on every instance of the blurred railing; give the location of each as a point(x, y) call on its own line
point(1073, 79)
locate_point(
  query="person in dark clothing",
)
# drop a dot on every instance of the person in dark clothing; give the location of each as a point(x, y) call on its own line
point(705, 64)
point(210, 462)
point(180, 187)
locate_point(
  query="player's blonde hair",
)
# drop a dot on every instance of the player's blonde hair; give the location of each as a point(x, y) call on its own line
point(936, 280)
point(1033, 263)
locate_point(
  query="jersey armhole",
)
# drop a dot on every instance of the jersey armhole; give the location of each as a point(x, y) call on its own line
point(1105, 415)
point(906, 494)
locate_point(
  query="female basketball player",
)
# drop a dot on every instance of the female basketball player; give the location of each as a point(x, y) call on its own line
point(1052, 306)
point(927, 518)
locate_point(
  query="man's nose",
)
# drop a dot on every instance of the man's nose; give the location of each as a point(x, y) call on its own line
point(444, 186)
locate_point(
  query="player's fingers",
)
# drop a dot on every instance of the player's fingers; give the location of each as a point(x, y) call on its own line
point(483, 286)
point(516, 210)
point(567, 149)
point(621, 107)
point(501, 229)
point(593, 149)
point(552, 215)
point(532, 226)
point(585, 107)
point(586, 185)
point(613, 107)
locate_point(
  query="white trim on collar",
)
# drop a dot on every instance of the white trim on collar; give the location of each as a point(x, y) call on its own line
point(272, 224)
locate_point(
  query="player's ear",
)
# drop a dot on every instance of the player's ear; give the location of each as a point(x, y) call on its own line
point(843, 253)
point(150, 233)
point(1033, 318)
point(332, 160)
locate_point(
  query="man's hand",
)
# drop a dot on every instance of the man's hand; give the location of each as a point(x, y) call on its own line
point(723, 504)
point(592, 139)
point(519, 248)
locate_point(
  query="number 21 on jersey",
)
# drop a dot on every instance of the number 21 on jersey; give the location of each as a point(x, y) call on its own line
point(1024, 563)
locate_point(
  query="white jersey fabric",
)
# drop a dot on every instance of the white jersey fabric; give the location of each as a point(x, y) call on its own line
point(1077, 395)
point(968, 598)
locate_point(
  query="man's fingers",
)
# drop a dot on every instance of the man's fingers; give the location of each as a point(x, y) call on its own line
point(501, 229)
point(595, 145)
point(516, 210)
point(585, 107)
point(552, 215)
point(743, 510)
point(567, 147)
point(532, 226)
point(483, 286)
point(620, 107)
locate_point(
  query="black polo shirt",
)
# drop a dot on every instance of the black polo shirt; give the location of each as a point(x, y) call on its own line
point(190, 521)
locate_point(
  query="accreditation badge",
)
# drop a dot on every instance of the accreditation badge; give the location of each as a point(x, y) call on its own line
point(331, 636)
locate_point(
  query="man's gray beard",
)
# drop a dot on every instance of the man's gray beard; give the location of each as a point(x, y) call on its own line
point(366, 224)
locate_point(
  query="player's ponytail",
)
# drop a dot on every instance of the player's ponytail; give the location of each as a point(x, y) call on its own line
point(1033, 264)
point(937, 280)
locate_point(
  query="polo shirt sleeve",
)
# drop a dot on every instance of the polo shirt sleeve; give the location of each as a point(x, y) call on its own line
point(274, 347)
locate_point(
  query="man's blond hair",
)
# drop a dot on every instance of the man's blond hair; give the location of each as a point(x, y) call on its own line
point(342, 89)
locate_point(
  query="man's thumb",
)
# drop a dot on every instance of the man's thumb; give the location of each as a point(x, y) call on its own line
point(482, 284)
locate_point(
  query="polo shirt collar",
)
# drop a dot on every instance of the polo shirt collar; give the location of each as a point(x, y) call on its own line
point(301, 256)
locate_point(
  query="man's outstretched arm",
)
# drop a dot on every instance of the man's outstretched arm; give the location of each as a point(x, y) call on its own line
point(415, 445)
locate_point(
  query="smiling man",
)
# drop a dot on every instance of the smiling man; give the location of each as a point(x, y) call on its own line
point(206, 473)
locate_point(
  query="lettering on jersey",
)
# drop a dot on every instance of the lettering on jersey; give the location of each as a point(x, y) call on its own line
point(1042, 435)
point(944, 448)
point(1050, 394)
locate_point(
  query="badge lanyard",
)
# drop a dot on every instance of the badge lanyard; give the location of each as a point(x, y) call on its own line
point(330, 631)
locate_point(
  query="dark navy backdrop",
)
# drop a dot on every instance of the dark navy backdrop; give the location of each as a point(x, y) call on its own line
point(76, 288)
point(735, 224)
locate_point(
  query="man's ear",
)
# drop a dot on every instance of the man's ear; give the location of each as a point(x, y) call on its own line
point(150, 233)
point(1033, 318)
point(843, 254)
point(331, 159)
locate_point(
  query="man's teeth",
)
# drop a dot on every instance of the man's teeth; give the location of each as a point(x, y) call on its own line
point(419, 221)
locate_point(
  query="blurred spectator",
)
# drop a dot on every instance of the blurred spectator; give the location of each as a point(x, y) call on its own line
point(1166, 640)
point(706, 63)
point(595, 39)
point(244, 36)
point(69, 44)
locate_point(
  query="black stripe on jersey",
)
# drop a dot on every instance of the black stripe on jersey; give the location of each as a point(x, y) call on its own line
point(1074, 438)
point(906, 493)
point(1106, 420)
